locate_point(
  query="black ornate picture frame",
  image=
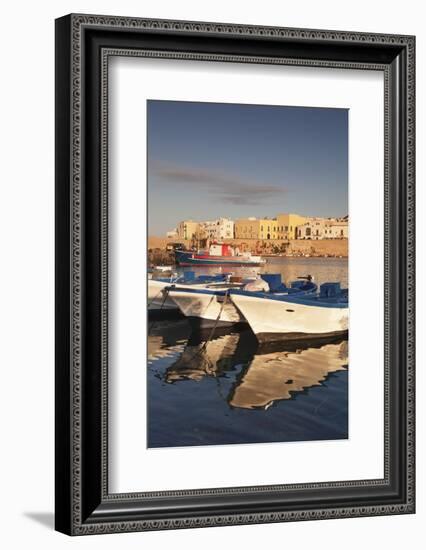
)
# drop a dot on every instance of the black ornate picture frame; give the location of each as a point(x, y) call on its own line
point(84, 43)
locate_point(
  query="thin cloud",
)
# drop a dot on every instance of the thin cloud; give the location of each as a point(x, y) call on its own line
point(226, 187)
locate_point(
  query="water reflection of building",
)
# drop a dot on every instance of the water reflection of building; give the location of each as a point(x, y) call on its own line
point(279, 375)
point(266, 374)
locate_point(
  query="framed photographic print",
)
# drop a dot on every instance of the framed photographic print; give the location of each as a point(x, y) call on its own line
point(234, 274)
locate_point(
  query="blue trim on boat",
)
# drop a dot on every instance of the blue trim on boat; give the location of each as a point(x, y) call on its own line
point(340, 302)
point(196, 290)
point(298, 296)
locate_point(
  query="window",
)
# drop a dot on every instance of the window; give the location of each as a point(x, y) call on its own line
point(308, 231)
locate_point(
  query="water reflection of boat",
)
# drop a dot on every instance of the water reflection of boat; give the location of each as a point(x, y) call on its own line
point(269, 372)
point(212, 357)
point(167, 338)
point(277, 375)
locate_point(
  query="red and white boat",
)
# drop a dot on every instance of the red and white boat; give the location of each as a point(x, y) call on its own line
point(217, 254)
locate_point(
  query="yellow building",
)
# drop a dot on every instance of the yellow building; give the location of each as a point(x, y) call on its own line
point(187, 229)
point(256, 228)
point(287, 225)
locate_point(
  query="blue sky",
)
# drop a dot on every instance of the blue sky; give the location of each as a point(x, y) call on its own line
point(207, 160)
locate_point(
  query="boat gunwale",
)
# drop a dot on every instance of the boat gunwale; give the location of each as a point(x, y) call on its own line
point(302, 299)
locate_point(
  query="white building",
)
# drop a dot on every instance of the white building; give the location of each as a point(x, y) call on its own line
point(217, 230)
point(313, 229)
point(323, 228)
point(338, 230)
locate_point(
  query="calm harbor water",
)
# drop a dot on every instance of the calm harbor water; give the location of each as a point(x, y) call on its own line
point(322, 269)
point(229, 389)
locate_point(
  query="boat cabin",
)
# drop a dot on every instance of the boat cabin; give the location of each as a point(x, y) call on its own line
point(221, 250)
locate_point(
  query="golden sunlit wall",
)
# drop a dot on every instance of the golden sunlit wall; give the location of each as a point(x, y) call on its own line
point(268, 229)
point(187, 229)
point(250, 228)
point(287, 225)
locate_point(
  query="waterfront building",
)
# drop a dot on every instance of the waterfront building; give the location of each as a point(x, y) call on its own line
point(217, 230)
point(287, 225)
point(338, 229)
point(283, 227)
point(313, 229)
point(256, 228)
point(323, 228)
point(187, 229)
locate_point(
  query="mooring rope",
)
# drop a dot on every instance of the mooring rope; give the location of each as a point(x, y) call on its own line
point(166, 293)
point(202, 349)
point(216, 322)
point(155, 297)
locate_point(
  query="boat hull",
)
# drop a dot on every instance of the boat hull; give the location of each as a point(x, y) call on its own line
point(272, 319)
point(218, 263)
point(206, 309)
point(303, 338)
point(156, 299)
point(188, 259)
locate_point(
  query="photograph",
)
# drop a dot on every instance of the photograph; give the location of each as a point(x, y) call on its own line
point(219, 188)
point(247, 273)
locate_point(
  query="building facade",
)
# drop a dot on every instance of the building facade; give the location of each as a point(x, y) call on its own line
point(338, 230)
point(312, 229)
point(217, 230)
point(283, 227)
point(187, 229)
point(287, 225)
point(323, 228)
point(256, 228)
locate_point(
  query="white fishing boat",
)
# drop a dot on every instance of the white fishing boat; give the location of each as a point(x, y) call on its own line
point(212, 305)
point(158, 300)
point(205, 307)
point(295, 317)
